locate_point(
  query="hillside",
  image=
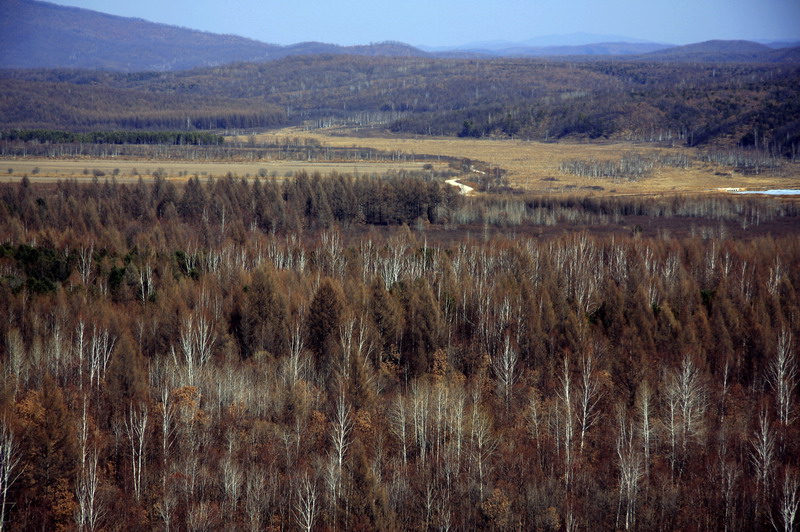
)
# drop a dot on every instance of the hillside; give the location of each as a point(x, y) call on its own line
point(43, 35)
point(694, 104)
point(721, 51)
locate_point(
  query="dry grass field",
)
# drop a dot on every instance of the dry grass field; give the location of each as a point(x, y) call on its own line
point(531, 166)
point(534, 166)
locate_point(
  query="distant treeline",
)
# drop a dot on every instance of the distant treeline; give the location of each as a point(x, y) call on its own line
point(113, 137)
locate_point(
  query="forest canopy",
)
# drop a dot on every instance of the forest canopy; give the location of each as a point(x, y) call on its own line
point(380, 353)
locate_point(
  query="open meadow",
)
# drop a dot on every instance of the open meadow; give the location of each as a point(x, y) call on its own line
point(536, 166)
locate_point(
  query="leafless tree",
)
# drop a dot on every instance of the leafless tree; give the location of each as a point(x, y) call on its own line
point(762, 453)
point(166, 507)
point(456, 408)
point(167, 432)
point(392, 265)
point(146, 287)
point(729, 479)
point(85, 259)
point(629, 462)
point(79, 350)
point(297, 364)
point(567, 412)
point(776, 274)
point(255, 498)
point(535, 420)
point(136, 430)
point(100, 349)
point(9, 460)
point(232, 481)
point(420, 398)
point(686, 400)
point(330, 251)
point(588, 398)
point(57, 348)
point(790, 501)
point(504, 366)
point(397, 422)
point(305, 508)
point(483, 443)
point(340, 430)
point(15, 362)
point(89, 511)
point(198, 517)
point(197, 340)
point(644, 398)
point(782, 376)
point(577, 259)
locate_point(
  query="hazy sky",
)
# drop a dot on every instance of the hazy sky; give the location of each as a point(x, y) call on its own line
point(454, 22)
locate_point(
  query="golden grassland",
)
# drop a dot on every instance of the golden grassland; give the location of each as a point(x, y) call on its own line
point(532, 166)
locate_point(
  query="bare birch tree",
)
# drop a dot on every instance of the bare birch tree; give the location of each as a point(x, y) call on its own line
point(588, 398)
point(9, 460)
point(629, 462)
point(686, 398)
point(567, 411)
point(536, 421)
point(255, 499)
point(782, 377)
point(85, 260)
point(100, 349)
point(15, 365)
point(89, 510)
point(483, 443)
point(762, 455)
point(504, 367)
point(305, 507)
point(644, 407)
point(136, 430)
point(197, 340)
point(398, 422)
point(341, 427)
point(790, 501)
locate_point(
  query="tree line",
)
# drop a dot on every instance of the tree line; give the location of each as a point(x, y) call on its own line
point(46, 136)
point(171, 360)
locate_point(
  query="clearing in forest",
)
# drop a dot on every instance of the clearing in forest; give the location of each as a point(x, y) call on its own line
point(537, 166)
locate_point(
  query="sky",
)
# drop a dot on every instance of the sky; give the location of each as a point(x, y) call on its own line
point(457, 22)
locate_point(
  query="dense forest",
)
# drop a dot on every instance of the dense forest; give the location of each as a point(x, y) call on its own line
point(380, 353)
point(726, 104)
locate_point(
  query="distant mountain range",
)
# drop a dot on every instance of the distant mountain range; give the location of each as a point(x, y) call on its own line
point(603, 48)
point(37, 34)
point(43, 35)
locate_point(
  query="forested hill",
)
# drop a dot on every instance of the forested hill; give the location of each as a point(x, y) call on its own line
point(690, 103)
point(725, 51)
point(43, 35)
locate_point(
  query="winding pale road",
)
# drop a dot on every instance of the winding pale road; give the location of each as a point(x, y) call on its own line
point(464, 189)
